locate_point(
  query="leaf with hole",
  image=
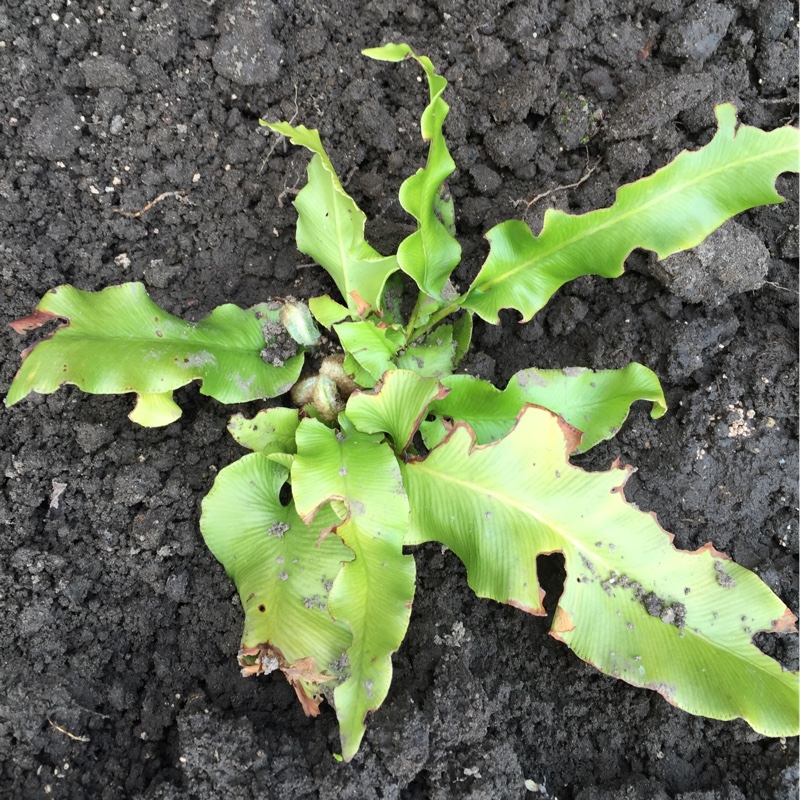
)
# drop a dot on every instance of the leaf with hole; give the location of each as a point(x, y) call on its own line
point(680, 623)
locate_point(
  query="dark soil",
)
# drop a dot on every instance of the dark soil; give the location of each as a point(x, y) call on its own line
point(118, 673)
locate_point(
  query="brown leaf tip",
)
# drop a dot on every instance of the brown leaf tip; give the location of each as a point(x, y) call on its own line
point(32, 321)
point(572, 436)
point(536, 611)
point(786, 624)
point(562, 623)
point(264, 658)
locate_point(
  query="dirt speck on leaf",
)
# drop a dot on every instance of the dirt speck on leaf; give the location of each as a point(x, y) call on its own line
point(531, 377)
point(723, 579)
point(278, 528)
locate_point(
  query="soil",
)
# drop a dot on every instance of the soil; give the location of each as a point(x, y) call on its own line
point(119, 629)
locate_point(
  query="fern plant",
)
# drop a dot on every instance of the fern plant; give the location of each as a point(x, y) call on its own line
point(386, 446)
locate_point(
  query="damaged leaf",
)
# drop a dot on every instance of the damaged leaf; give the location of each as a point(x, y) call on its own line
point(594, 402)
point(370, 347)
point(396, 408)
point(373, 593)
point(312, 524)
point(283, 574)
point(118, 341)
point(270, 431)
point(633, 605)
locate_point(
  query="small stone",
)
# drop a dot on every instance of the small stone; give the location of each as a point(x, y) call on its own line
point(773, 18)
point(116, 126)
point(573, 120)
point(177, 587)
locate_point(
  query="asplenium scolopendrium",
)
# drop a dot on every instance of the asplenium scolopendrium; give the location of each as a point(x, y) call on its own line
point(391, 448)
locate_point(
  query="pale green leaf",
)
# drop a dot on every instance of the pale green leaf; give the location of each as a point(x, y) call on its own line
point(424, 309)
point(674, 209)
point(434, 430)
point(462, 336)
point(594, 402)
point(327, 311)
point(373, 346)
point(361, 377)
point(434, 356)
point(270, 431)
point(633, 606)
point(118, 341)
point(373, 593)
point(296, 318)
point(388, 52)
point(330, 228)
point(283, 574)
point(445, 210)
point(392, 301)
point(396, 407)
point(284, 459)
point(431, 253)
point(155, 410)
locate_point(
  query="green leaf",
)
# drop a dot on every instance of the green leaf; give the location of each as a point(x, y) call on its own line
point(397, 406)
point(674, 209)
point(327, 311)
point(284, 459)
point(270, 431)
point(296, 318)
point(392, 300)
point(373, 593)
point(388, 52)
point(445, 210)
point(118, 341)
point(633, 606)
point(434, 356)
point(330, 228)
point(153, 410)
point(596, 403)
point(462, 335)
point(372, 346)
point(431, 253)
point(283, 574)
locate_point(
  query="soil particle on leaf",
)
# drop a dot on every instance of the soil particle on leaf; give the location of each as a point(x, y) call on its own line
point(653, 603)
point(723, 579)
point(588, 565)
point(278, 529)
point(280, 346)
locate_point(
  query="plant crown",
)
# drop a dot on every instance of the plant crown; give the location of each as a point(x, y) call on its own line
point(391, 448)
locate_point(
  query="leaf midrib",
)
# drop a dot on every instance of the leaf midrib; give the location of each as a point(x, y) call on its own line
point(68, 333)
